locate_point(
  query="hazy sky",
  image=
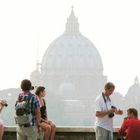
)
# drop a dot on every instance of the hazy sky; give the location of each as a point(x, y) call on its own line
point(112, 25)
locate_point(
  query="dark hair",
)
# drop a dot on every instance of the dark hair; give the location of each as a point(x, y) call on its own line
point(109, 85)
point(133, 110)
point(26, 85)
point(39, 89)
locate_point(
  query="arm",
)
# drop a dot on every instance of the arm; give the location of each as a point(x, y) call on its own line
point(104, 113)
point(99, 110)
point(1, 107)
point(2, 104)
point(37, 115)
point(46, 115)
point(46, 119)
point(101, 113)
point(122, 130)
point(37, 110)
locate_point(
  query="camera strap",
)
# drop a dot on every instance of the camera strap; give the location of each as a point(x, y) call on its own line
point(106, 100)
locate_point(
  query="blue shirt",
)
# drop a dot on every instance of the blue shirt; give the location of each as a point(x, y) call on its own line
point(34, 103)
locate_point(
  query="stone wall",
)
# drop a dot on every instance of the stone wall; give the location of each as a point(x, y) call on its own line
point(62, 133)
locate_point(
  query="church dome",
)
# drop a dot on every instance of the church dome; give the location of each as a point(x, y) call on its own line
point(35, 76)
point(134, 90)
point(72, 72)
point(72, 50)
point(67, 90)
point(133, 94)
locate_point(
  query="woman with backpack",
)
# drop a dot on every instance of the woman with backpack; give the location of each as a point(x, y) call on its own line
point(48, 126)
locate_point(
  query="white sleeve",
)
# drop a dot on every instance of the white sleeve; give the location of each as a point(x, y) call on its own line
point(98, 105)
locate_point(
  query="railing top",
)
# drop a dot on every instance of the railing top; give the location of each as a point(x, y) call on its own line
point(64, 129)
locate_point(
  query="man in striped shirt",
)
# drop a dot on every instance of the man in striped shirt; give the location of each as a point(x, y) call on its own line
point(29, 131)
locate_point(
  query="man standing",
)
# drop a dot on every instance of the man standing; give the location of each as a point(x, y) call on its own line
point(27, 113)
point(131, 125)
point(104, 110)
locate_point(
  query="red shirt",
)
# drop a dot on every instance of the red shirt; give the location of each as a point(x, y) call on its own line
point(132, 129)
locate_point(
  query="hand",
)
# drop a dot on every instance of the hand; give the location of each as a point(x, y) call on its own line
point(119, 112)
point(112, 110)
point(46, 121)
point(39, 129)
point(126, 118)
point(3, 103)
point(49, 122)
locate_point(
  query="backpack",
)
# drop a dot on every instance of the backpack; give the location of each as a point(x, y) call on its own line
point(23, 110)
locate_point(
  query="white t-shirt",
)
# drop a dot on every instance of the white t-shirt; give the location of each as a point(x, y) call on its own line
point(100, 105)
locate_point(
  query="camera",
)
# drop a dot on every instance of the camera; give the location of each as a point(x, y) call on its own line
point(110, 115)
point(5, 104)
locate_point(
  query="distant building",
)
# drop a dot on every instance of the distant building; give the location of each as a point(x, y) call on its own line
point(35, 76)
point(133, 95)
point(72, 72)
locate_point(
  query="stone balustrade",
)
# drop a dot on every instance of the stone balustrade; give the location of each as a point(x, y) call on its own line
point(62, 133)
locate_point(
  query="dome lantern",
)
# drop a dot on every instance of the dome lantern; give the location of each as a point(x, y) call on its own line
point(72, 25)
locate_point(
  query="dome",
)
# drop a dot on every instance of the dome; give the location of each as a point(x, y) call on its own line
point(72, 72)
point(35, 76)
point(35, 73)
point(67, 90)
point(72, 50)
point(133, 94)
point(134, 90)
point(72, 58)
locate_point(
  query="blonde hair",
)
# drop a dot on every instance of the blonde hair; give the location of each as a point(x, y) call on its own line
point(109, 85)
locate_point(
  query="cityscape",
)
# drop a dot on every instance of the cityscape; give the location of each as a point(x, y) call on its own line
point(72, 71)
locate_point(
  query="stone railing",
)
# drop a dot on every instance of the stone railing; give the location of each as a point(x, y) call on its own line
point(62, 133)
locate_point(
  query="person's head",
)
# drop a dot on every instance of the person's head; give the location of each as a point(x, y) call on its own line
point(132, 113)
point(40, 91)
point(109, 88)
point(26, 85)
